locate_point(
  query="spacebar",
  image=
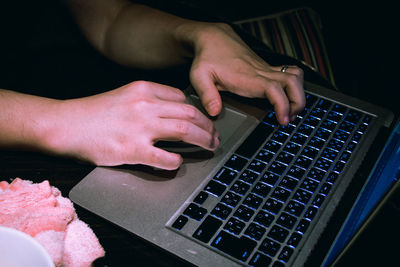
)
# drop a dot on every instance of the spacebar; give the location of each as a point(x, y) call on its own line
point(254, 140)
point(239, 248)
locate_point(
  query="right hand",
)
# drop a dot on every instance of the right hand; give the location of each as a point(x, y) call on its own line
point(121, 126)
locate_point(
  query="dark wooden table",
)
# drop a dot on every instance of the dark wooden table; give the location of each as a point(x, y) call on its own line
point(377, 246)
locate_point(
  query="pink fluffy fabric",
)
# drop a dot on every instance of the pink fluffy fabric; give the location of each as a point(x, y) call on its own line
point(40, 211)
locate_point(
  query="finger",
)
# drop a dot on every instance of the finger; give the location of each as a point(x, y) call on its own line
point(168, 93)
point(204, 84)
point(292, 82)
point(277, 97)
point(182, 130)
point(162, 159)
point(187, 112)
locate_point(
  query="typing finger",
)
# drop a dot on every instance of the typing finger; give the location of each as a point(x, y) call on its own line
point(183, 130)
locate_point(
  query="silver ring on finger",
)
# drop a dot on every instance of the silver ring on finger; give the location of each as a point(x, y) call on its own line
point(284, 68)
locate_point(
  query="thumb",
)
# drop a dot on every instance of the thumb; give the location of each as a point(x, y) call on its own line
point(205, 87)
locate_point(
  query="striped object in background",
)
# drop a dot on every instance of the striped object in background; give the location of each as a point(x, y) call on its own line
point(296, 33)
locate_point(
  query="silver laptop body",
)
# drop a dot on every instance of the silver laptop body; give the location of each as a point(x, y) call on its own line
point(147, 202)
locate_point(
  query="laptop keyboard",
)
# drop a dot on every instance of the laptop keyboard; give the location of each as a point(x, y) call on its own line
point(269, 191)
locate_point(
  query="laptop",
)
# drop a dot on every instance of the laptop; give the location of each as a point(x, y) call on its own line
point(268, 195)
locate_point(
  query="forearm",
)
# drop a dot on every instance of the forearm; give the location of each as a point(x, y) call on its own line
point(136, 35)
point(26, 121)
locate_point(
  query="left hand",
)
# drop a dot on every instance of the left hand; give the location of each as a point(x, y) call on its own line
point(222, 61)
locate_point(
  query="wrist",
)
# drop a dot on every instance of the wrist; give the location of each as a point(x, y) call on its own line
point(194, 36)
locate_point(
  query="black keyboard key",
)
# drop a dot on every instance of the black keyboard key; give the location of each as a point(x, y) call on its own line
point(234, 226)
point(239, 248)
point(299, 139)
point(332, 177)
point(303, 162)
point(341, 135)
point(302, 196)
point(318, 113)
point(329, 154)
point(294, 239)
point(261, 189)
point(339, 108)
point(255, 140)
point(272, 146)
point(325, 188)
point(335, 144)
point(305, 129)
point(296, 172)
point(248, 176)
point(353, 116)
point(231, 199)
point(311, 121)
point(225, 176)
point(316, 174)
point(286, 220)
point(244, 213)
point(221, 211)
point(255, 231)
point(310, 152)
point(264, 218)
point(288, 183)
point(278, 233)
point(288, 129)
point(310, 212)
point(260, 260)
point(269, 178)
point(235, 162)
point(309, 185)
point(323, 104)
point(351, 146)
point(346, 126)
point(200, 198)
point(272, 206)
point(285, 157)
point(180, 222)
point(356, 137)
point(265, 156)
point(285, 254)
point(302, 226)
point(322, 134)
point(270, 119)
point(294, 208)
point(334, 116)
point(292, 148)
point(316, 142)
point(323, 164)
point(318, 200)
point(252, 201)
point(279, 137)
point(207, 229)
point(240, 188)
point(269, 247)
point(281, 194)
point(328, 125)
point(310, 100)
point(277, 167)
point(215, 188)
point(195, 212)
point(257, 166)
point(367, 119)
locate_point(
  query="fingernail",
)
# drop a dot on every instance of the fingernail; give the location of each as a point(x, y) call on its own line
point(213, 108)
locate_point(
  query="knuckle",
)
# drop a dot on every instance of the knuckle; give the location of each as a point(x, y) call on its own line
point(190, 112)
point(182, 128)
point(298, 71)
point(140, 86)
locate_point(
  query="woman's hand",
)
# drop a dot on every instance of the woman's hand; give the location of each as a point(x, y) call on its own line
point(122, 126)
point(222, 61)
